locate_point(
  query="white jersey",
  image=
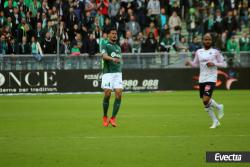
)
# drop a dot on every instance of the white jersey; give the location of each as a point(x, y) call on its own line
point(202, 57)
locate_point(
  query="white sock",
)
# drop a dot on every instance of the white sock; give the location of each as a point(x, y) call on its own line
point(211, 114)
point(214, 104)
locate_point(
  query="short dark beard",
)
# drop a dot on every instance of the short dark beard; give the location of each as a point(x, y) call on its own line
point(112, 41)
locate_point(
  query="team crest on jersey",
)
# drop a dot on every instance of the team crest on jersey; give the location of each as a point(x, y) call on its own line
point(207, 87)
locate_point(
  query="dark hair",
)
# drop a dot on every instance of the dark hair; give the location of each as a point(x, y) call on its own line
point(111, 29)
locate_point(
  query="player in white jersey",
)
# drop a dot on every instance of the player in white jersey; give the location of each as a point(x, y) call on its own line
point(208, 59)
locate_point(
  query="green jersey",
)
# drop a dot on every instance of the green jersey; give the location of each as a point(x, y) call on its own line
point(112, 50)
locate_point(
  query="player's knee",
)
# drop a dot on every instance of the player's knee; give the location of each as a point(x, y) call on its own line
point(118, 95)
point(107, 94)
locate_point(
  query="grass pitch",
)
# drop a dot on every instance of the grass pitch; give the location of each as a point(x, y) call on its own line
point(155, 130)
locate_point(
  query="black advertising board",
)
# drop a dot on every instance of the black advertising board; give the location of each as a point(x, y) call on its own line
point(63, 81)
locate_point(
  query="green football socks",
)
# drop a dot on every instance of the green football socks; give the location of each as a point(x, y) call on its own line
point(105, 105)
point(116, 107)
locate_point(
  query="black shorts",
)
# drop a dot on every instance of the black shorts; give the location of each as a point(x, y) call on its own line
point(206, 89)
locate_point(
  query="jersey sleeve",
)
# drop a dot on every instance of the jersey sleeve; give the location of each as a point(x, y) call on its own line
point(104, 50)
point(220, 62)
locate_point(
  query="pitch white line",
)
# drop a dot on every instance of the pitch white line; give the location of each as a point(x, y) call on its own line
point(126, 137)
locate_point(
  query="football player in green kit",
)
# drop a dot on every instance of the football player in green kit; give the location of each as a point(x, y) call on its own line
point(112, 76)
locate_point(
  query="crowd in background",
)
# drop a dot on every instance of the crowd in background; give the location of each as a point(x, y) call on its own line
point(81, 26)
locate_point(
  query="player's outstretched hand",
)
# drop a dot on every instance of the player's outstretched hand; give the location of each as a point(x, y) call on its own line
point(210, 64)
point(187, 63)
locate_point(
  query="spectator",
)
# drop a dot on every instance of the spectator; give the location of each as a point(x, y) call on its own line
point(90, 7)
point(175, 6)
point(103, 40)
point(44, 7)
point(130, 12)
point(78, 42)
point(182, 46)
point(243, 14)
point(7, 33)
point(35, 5)
point(232, 45)
point(166, 43)
point(219, 42)
point(133, 26)
point(24, 46)
point(65, 47)
point(31, 20)
point(36, 49)
point(129, 37)
point(220, 5)
point(13, 47)
point(107, 25)
point(164, 31)
point(51, 29)
point(230, 24)
point(218, 22)
point(54, 16)
point(9, 8)
point(121, 18)
point(3, 45)
point(233, 50)
point(2, 19)
point(24, 29)
point(152, 29)
point(141, 14)
point(9, 24)
point(71, 19)
point(209, 24)
point(84, 39)
point(244, 42)
point(93, 46)
point(137, 42)
point(49, 44)
point(90, 21)
point(102, 7)
point(150, 44)
point(231, 4)
point(39, 32)
point(175, 26)
point(125, 46)
point(192, 23)
point(113, 10)
point(22, 6)
point(73, 31)
point(194, 45)
point(153, 9)
point(16, 20)
point(63, 31)
point(162, 19)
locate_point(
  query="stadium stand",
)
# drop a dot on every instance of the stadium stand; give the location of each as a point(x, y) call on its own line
point(75, 27)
